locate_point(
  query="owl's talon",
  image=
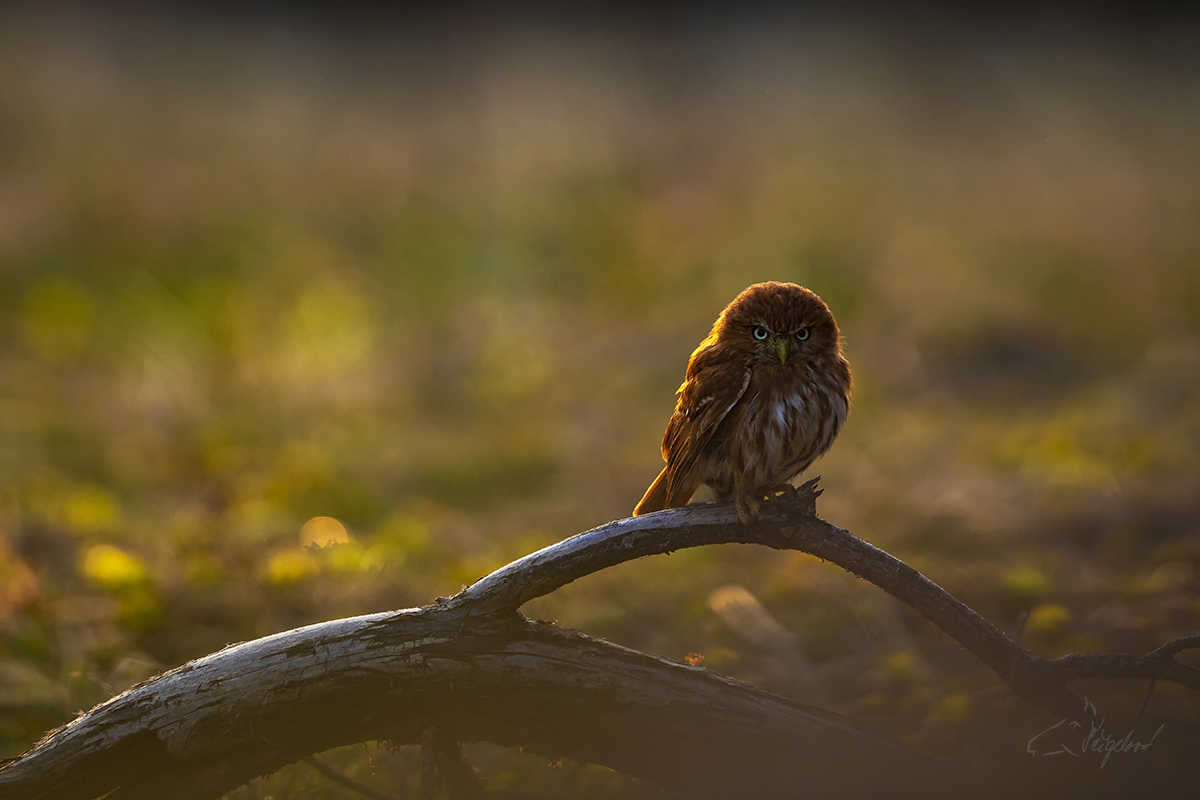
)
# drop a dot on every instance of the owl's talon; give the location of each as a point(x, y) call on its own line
point(746, 508)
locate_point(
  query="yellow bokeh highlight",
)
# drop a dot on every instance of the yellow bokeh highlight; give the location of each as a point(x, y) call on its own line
point(1047, 618)
point(346, 558)
point(90, 509)
point(292, 566)
point(900, 664)
point(1026, 583)
point(113, 568)
point(322, 531)
point(1058, 453)
point(954, 708)
point(56, 319)
point(1170, 577)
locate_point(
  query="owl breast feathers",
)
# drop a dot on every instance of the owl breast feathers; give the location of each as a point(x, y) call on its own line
point(765, 395)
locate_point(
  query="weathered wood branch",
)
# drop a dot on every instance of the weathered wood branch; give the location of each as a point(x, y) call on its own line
point(791, 523)
point(217, 722)
point(473, 669)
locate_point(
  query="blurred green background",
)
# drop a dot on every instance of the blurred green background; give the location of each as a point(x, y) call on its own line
point(300, 321)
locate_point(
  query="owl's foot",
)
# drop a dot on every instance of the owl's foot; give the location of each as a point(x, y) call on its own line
point(781, 493)
point(797, 498)
point(746, 508)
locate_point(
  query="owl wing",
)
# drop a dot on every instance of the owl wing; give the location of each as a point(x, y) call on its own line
point(704, 400)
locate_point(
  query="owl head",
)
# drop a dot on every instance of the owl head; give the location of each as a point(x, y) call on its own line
point(779, 323)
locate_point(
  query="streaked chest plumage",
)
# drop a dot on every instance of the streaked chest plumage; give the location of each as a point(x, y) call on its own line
point(774, 432)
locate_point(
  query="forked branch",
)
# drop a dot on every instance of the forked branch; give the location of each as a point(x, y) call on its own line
point(473, 669)
point(791, 523)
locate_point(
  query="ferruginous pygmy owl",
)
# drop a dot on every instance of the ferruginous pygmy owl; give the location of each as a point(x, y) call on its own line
point(765, 395)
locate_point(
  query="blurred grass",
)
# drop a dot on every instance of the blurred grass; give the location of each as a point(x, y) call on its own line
point(260, 285)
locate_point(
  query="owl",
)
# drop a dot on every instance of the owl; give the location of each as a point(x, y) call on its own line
point(764, 396)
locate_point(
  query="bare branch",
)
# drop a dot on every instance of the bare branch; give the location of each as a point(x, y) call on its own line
point(790, 523)
point(473, 669)
point(215, 723)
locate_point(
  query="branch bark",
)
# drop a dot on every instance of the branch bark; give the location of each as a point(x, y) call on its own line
point(217, 722)
point(791, 523)
point(474, 669)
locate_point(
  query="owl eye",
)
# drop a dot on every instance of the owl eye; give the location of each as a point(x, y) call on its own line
point(802, 334)
point(760, 333)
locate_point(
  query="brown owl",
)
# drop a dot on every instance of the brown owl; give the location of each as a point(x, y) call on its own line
point(765, 395)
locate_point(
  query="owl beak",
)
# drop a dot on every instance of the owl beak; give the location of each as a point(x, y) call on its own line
point(781, 346)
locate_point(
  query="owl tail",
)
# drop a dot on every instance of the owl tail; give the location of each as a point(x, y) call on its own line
point(655, 498)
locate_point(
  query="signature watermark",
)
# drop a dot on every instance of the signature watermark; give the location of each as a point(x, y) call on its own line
point(1089, 737)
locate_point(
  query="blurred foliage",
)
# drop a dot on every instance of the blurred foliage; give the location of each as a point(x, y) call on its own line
point(295, 326)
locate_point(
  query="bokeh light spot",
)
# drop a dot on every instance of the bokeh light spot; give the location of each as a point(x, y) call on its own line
point(1025, 583)
point(954, 708)
point(90, 509)
point(113, 568)
point(292, 566)
point(1047, 618)
point(321, 531)
point(345, 559)
point(900, 664)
